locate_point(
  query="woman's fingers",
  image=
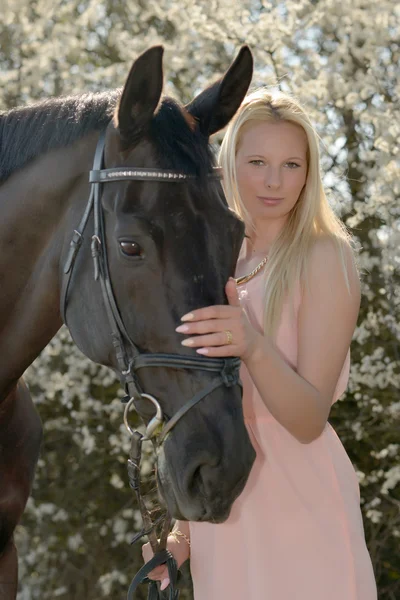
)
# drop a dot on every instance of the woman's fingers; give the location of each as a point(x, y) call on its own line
point(213, 339)
point(232, 292)
point(164, 583)
point(147, 552)
point(211, 325)
point(218, 351)
point(217, 311)
point(159, 573)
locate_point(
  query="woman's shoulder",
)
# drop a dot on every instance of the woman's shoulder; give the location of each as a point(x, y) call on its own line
point(330, 246)
point(334, 260)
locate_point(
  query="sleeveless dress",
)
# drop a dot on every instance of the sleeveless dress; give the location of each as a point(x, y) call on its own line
point(296, 531)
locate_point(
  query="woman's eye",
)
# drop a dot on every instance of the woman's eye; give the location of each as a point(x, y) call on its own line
point(131, 249)
point(292, 165)
point(257, 162)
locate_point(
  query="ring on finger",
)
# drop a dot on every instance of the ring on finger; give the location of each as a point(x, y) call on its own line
point(229, 337)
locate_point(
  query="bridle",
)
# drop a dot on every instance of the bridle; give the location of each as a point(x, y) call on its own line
point(130, 360)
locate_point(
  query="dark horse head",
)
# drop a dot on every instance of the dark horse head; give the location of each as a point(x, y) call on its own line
point(171, 247)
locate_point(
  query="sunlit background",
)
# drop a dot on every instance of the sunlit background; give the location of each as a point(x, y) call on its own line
point(342, 60)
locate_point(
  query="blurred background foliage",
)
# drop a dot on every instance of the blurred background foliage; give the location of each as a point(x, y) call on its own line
point(342, 61)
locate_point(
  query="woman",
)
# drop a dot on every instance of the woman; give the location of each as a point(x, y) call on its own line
point(296, 531)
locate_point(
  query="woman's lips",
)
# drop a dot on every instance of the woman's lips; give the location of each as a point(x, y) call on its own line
point(270, 201)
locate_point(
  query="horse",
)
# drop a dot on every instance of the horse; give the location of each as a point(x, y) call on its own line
point(167, 242)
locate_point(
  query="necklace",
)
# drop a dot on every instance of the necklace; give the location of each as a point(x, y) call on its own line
point(246, 278)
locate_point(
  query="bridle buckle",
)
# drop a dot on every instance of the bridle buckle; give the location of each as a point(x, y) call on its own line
point(230, 373)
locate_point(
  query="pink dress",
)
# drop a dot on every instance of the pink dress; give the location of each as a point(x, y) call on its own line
point(296, 531)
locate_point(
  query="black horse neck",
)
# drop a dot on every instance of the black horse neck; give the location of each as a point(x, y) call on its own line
point(34, 208)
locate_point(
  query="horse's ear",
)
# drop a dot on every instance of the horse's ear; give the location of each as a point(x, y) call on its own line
point(217, 104)
point(141, 93)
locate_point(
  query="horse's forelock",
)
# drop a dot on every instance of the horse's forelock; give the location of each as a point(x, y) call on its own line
point(179, 142)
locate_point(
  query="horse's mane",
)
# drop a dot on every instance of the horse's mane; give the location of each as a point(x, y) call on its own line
point(28, 132)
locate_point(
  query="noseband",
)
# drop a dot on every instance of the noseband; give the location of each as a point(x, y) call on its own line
point(130, 360)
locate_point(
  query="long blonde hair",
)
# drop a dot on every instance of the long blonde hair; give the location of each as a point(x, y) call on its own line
point(311, 217)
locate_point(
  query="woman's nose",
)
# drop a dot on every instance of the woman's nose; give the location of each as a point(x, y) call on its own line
point(272, 179)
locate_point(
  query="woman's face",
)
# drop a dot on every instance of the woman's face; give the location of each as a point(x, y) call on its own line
point(271, 168)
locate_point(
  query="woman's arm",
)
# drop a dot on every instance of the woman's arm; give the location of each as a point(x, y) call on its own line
point(179, 542)
point(182, 527)
point(301, 401)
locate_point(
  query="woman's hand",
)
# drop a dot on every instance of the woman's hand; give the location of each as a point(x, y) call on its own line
point(180, 551)
point(221, 330)
point(160, 573)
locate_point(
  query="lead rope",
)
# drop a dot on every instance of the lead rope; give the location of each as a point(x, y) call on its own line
point(161, 554)
point(229, 375)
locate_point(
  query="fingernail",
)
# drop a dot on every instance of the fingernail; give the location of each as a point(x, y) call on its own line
point(182, 328)
point(164, 583)
point(187, 317)
point(202, 351)
point(188, 342)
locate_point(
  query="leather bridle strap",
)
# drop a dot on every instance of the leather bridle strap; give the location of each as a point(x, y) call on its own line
point(162, 557)
point(228, 376)
point(101, 271)
point(77, 237)
point(226, 368)
point(186, 407)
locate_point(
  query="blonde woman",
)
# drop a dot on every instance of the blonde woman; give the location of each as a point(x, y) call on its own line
point(296, 531)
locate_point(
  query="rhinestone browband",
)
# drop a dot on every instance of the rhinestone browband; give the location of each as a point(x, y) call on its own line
point(100, 176)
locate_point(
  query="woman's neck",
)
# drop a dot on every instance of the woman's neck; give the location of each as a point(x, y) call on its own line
point(259, 242)
point(250, 256)
point(256, 247)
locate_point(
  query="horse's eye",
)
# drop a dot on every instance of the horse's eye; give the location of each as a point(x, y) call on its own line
point(131, 249)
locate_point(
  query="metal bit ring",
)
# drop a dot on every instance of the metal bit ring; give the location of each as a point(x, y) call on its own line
point(154, 423)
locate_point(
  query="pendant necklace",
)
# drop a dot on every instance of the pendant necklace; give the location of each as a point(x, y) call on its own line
point(246, 278)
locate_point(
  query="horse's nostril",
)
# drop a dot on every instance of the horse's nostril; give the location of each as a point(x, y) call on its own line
point(195, 481)
point(202, 474)
point(204, 479)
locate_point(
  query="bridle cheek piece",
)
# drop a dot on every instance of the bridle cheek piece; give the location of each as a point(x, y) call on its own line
point(226, 370)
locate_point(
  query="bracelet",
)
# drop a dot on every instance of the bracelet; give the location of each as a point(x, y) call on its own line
point(177, 533)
